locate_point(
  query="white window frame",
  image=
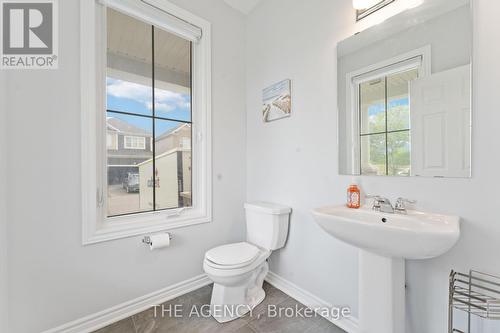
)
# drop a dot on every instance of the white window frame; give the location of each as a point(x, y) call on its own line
point(96, 226)
point(136, 142)
point(402, 62)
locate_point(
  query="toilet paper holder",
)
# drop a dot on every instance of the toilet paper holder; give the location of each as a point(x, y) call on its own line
point(147, 239)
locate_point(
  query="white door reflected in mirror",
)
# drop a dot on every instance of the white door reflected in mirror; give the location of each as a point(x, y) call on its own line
point(441, 124)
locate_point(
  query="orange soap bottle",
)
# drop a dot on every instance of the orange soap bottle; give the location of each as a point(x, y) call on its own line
point(353, 196)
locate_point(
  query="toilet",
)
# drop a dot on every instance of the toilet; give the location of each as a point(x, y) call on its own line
point(238, 269)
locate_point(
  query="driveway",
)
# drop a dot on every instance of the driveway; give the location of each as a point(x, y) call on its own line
point(120, 202)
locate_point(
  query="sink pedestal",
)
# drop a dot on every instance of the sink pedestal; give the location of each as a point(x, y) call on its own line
point(381, 293)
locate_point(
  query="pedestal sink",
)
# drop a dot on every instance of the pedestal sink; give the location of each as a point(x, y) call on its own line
point(385, 241)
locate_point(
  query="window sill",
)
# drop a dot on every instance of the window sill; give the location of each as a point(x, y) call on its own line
point(114, 228)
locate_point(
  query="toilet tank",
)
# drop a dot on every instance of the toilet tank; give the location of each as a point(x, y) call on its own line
point(267, 224)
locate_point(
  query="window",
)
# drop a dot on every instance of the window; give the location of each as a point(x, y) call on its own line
point(152, 68)
point(135, 142)
point(384, 108)
point(377, 114)
point(148, 91)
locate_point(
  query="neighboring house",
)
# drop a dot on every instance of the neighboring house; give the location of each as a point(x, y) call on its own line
point(179, 137)
point(172, 171)
point(127, 147)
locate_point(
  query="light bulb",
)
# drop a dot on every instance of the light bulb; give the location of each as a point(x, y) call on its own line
point(363, 4)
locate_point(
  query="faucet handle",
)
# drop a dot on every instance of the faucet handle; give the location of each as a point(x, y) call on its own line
point(404, 200)
point(377, 200)
point(400, 205)
point(375, 197)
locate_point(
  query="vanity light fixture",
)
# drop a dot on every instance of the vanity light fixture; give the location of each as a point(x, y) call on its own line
point(365, 8)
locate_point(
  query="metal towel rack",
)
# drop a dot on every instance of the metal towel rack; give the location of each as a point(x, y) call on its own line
point(476, 294)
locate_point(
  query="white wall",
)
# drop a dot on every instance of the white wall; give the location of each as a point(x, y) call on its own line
point(53, 279)
point(3, 213)
point(294, 161)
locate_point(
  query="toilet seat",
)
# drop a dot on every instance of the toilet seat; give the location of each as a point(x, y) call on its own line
point(232, 256)
point(222, 271)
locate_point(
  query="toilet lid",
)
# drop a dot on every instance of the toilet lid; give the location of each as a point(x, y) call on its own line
point(233, 254)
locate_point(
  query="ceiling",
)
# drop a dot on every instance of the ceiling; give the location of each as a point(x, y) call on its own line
point(131, 39)
point(244, 6)
point(129, 53)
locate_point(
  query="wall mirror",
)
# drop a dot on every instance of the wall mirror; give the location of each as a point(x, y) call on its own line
point(404, 91)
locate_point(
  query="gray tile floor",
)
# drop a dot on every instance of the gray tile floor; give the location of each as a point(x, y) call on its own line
point(258, 322)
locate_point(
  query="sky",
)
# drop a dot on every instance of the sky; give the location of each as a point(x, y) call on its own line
point(137, 98)
point(374, 109)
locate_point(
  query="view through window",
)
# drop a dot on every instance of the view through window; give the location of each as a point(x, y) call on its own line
point(148, 117)
point(384, 107)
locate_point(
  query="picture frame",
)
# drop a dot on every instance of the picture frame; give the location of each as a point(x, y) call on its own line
point(277, 101)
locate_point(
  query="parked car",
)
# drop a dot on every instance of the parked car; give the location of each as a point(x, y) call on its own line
point(131, 183)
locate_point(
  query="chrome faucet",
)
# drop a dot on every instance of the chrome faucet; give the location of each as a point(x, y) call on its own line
point(381, 204)
point(400, 206)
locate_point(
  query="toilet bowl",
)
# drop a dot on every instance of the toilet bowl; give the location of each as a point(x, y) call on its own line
point(238, 269)
point(238, 282)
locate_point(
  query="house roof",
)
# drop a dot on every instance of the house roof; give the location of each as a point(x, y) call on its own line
point(172, 131)
point(120, 126)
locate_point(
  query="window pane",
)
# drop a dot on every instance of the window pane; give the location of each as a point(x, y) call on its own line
point(372, 106)
point(398, 146)
point(145, 174)
point(129, 61)
point(172, 76)
point(173, 164)
point(373, 156)
point(398, 104)
point(128, 190)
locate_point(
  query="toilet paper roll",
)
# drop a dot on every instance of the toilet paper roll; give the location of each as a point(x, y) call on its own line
point(159, 241)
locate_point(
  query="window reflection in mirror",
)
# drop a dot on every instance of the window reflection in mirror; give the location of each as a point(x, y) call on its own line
point(384, 106)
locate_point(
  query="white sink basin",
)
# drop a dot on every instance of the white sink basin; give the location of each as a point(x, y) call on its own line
point(416, 235)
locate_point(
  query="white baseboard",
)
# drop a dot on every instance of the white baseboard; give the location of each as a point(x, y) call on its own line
point(109, 316)
point(127, 309)
point(348, 324)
